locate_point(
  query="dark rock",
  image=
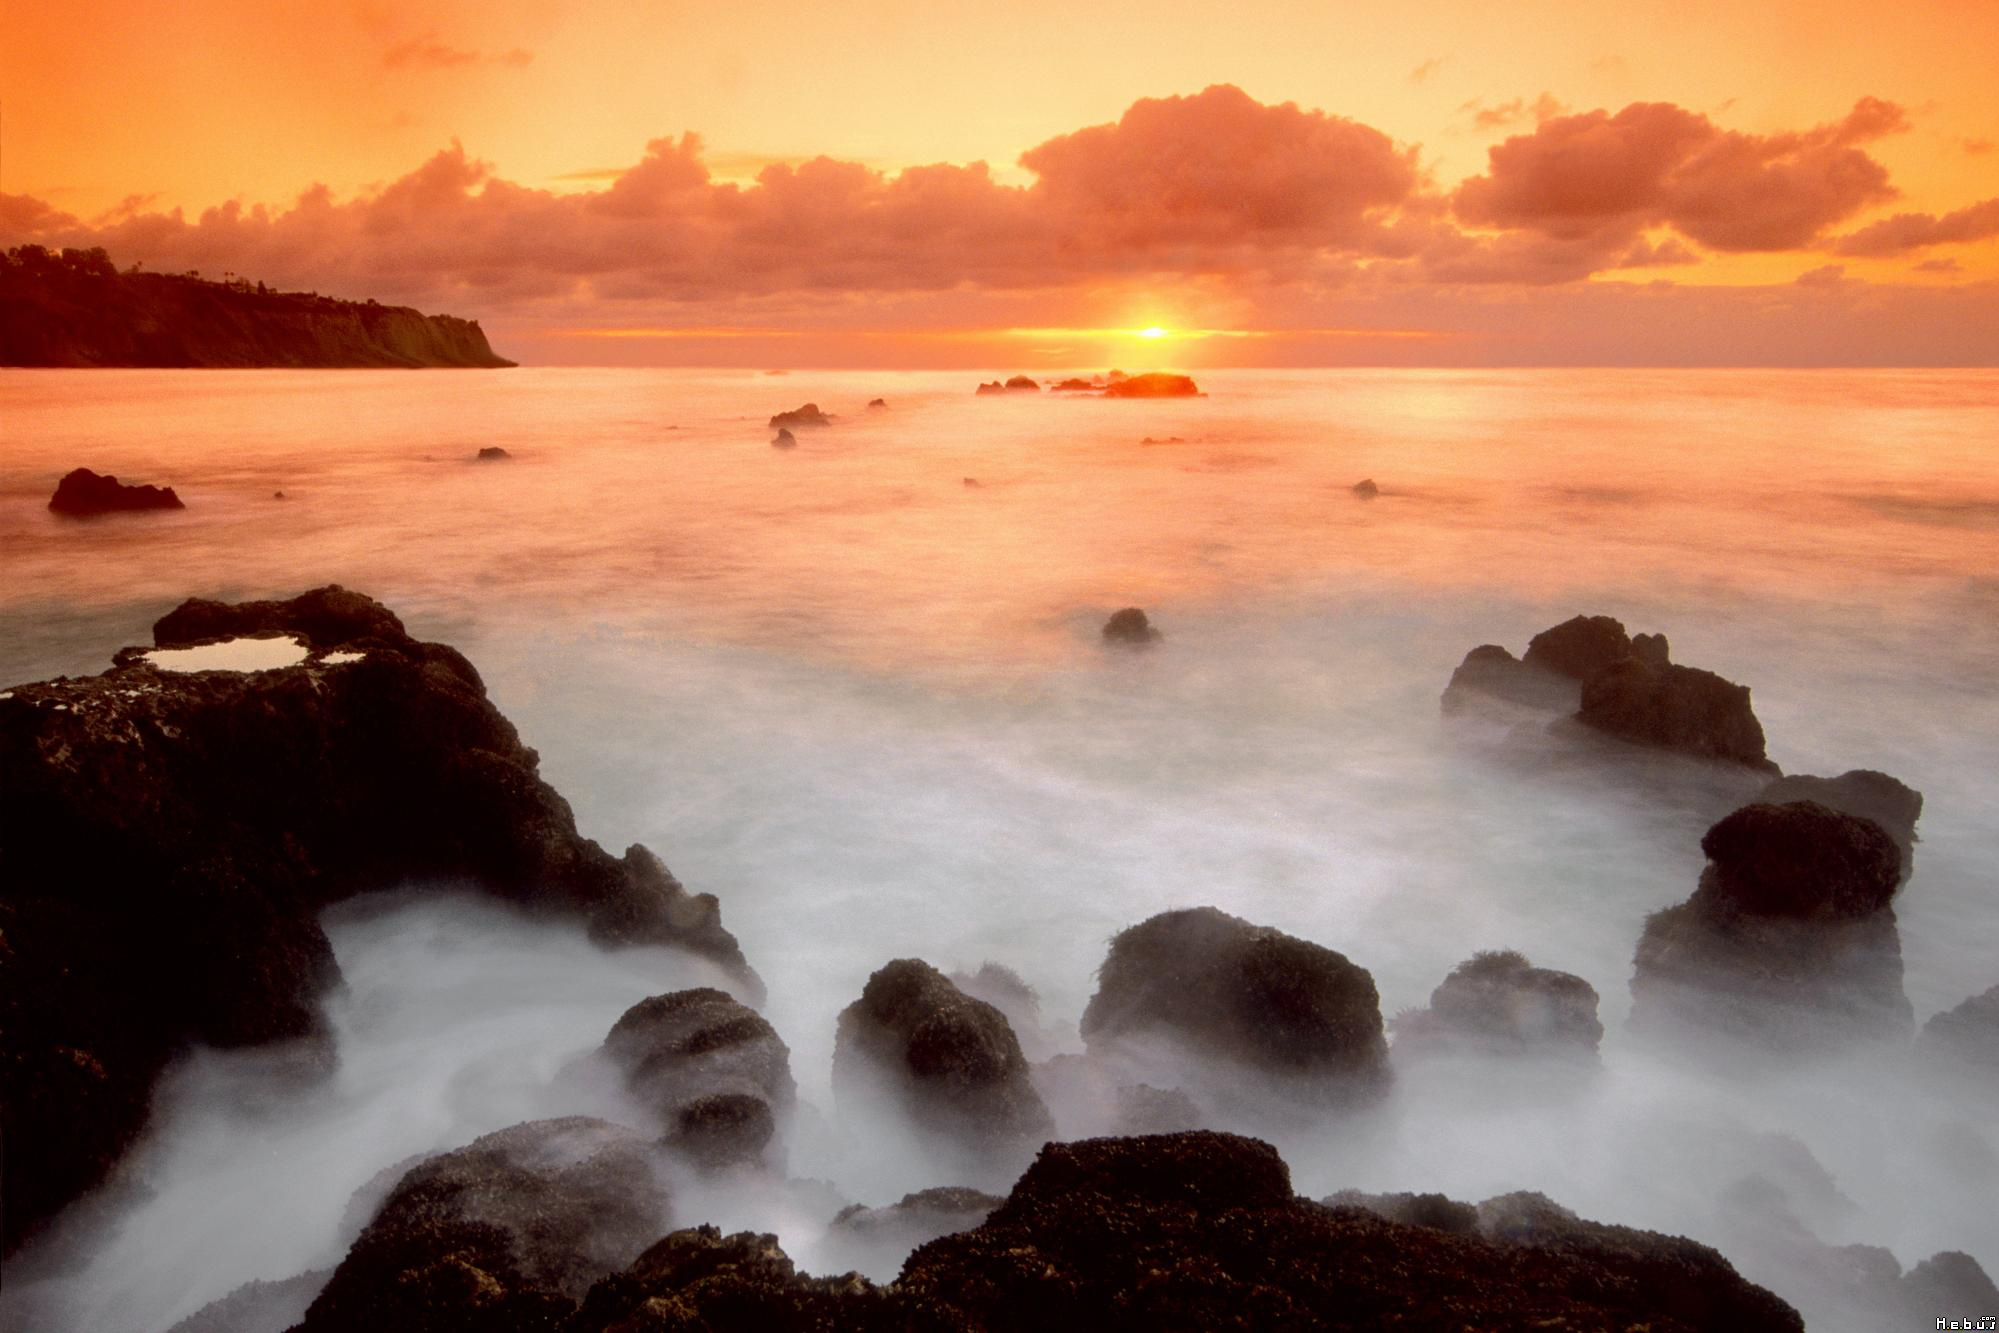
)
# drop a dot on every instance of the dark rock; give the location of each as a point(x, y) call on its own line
point(492, 453)
point(1789, 941)
point(257, 1307)
point(82, 493)
point(878, 1239)
point(877, 404)
point(1580, 647)
point(808, 415)
point(1950, 1283)
point(1491, 672)
point(1892, 804)
point(784, 439)
point(1969, 1033)
point(1170, 439)
point(1074, 385)
point(509, 1232)
point(170, 839)
point(1242, 994)
point(1154, 385)
point(1002, 988)
point(1022, 384)
point(1130, 626)
point(277, 495)
point(971, 483)
point(1435, 1211)
point(1365, 489)
point(1677, 708)
point(1500, 1002)
point(1651, 649)
point(990, 386)
point(714, 1069)
point(949, 1061)
point(699, 1280)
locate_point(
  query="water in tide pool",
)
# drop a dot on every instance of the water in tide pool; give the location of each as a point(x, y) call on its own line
point(856, 689)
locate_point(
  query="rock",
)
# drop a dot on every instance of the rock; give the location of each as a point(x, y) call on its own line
point(1092, 1096)
point(1951, 1283)
point(277, 495)
point(171, 837)
point(784, 439)
point(1170, 439)
point(716, 1072)
point(1154, 385)
point(492, 453)
point(1002, 988)
point(1969, 1033)
point(1651, 649)
point(1676, 708)
point(1499, 1002)
point(878, 1239)
point(1130, 626)
point(1579, 647)
point(1243, 995)
point(509, 1232)
point(1892, 804)
point(1490, 672)
point(808, 415)
point(83, 493)
point(1365, 489)
point(948, 1061)
point(1789, 940)
point(877, 404)
point(971, 483)
point(991, 386)
point(257, 1307)
point(699, 1279)
point(1435, 1211)
point(1022, 384)
point(1074, 385)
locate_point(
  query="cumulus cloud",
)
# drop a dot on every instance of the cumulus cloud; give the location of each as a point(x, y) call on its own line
point(1610, 177)
point(1914, 231)
point(1497, 116)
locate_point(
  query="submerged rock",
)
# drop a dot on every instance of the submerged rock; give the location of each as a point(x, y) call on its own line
point(716, 1072)
point(877, 404)
point(1243, 995)
point(950, 1062)
point(170, 839)
point(1789, 941)
point(1676, 708)
point(509, 1232)
point(492, 453)
point(1130, 626)
point(1153, 385)
point(1499, 1002)
point(877, 1239)
point(808, 415)
point(1366, 489)
point(82, 493)
point(784, 439)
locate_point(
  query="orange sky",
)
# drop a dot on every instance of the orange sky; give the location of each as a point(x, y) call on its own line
point(1762, 182)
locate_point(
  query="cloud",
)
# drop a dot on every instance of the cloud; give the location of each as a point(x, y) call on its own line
point(1978, 147)
point(1939, 266)
point(1609, 177)
point(1422, 72)
point(1914, 231)
point(1543, 108)
point(427, 52)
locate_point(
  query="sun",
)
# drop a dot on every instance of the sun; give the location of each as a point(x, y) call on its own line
point(1153, 332)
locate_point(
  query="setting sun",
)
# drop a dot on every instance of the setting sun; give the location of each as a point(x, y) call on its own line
point(1153, 332)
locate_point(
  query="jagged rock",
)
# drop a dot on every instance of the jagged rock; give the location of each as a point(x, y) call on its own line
point(1366, 489)
point(877, 404)
point(1500, 1002)
point(492, 453)
point(1245, 995)
point(509, 1232)
point(1153, 385)
point(1788, 941)
point(990, 387)
point(1969, 1033)
point(1170, 439)
point(171, 837)
point(714, 1069)
point(1892, 804)
point(1435, 1211)
point(808, 415)
point(951, 1062)
point(784, 439)
point(1489, 671)
point(699, 1279)
point(1677, 708)
point(1130, 626)
point(257, 1307)
point(82, 493)
point(1579, 647)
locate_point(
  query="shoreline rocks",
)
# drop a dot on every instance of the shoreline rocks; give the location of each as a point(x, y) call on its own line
point(1131, 628)
point(84, 494)
point(716, 1072)
point(1498, 1002)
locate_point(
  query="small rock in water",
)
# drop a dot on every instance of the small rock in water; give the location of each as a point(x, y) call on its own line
point(1130, 626)
point(808, 415)
point(1366, 489)
point(972, 482)
point(877, 404)
point(82, 493)
point(493, 453)
point(1153, 385)
point(784, 440)
point(277, 495)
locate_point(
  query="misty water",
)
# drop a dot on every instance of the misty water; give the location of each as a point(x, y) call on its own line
point(856, 690)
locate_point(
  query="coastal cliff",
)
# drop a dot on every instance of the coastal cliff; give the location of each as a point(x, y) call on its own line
point(77, 309)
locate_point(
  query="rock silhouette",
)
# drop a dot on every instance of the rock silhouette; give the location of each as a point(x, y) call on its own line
point(83, 493)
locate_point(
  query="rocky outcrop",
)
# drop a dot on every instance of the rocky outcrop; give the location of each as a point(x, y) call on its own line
point(170, 838)
point(1018, 384)
point(948, 1061)
point(1498, 1002)
point(1153, 385)
point(1366, 489)
point(492, 453)
point(1490, 672)
point(1677, 708)
point(699, 1279)
point(1889, 802)
point(1002, 988)
point(877, 1239)
point(801, 417)
point(1789, 941)
point(715, 1072)
point(1436, 1211)
point(77, 309)
point(1130, 627)
point(257, 1307)
point(784, 439)
point(83, 493)
point(509, 1232)
point(877, 404)
point(1242, 996)
point(1969, 1033)
point(1579, 647)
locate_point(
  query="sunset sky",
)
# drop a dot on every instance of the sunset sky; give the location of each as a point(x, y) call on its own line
point(1025, 185)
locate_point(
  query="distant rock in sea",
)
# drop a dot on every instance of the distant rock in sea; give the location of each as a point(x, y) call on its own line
point(1366, 489)
point(1130, 627)
point(83, 493)
point(200, 814)
point(784, 439)
point(1170, 439)
point(808, 415)
point(1153, 385)
point(77, 309)
point(492, 453)
point(1018, 384)
point(877, 404)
